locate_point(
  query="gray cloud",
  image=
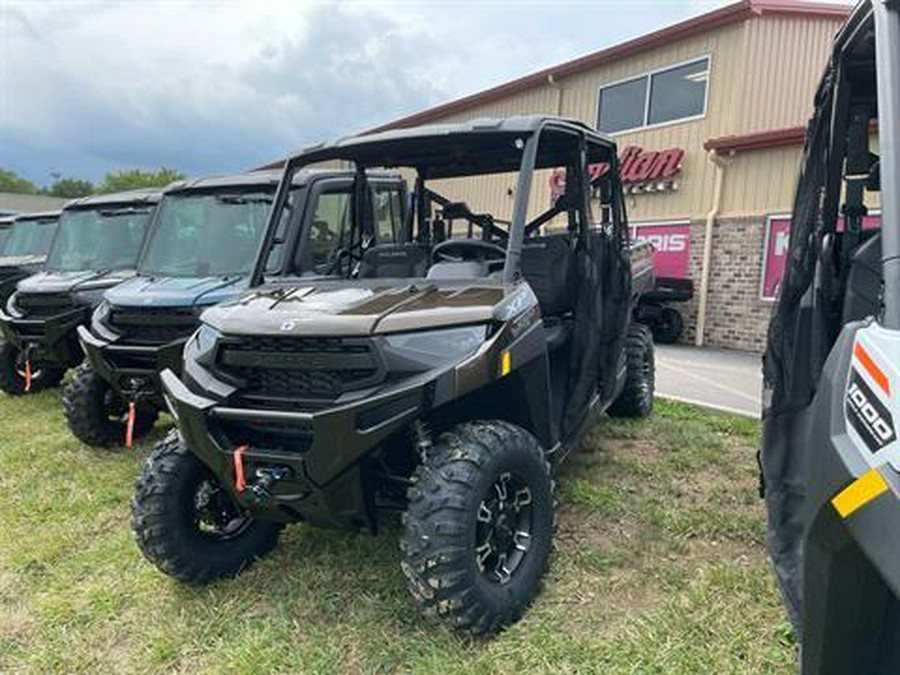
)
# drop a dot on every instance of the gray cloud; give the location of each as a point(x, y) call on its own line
point(91, 87)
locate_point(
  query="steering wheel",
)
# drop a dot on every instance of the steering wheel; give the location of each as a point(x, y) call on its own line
point(467, 249)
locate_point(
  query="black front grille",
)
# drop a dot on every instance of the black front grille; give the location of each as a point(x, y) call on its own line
point(304, 368)
point(38, 305)
point(154, 325)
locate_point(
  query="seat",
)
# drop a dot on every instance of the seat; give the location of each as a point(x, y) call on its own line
point(464, 269)
point(549, 266)
point(862, 297)
point(397, 261)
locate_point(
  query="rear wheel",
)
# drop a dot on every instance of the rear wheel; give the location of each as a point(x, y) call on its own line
point(667, 329)
point(636, 397)
point(13, 373)
point(187, 523)
point(97, 416)
point(479, 526)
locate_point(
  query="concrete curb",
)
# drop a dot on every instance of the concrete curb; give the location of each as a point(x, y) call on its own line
point(709, 406)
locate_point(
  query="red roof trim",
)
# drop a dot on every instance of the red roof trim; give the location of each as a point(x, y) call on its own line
point(761, 140)
point(757, 141)
point(738, 11)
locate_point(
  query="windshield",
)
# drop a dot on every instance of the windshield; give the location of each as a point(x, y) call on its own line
point(4, 235)
point(99, 239)
point(30, 237)
point(200, 235)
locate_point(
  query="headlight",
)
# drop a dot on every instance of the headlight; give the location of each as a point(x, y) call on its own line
point(201, 346)
point(11, 307)
point(101, 314)
point(428, 349)
point(101, 324)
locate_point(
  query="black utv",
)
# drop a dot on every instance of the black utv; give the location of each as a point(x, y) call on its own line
point(95, 247)
point(443, 376)
point(200, 250)
point(24, 241)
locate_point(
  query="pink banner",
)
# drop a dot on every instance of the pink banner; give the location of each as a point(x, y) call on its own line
point(671, 247)
point(776, 250)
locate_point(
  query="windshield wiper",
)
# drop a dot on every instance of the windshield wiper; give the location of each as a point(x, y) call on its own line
point(127, 211)
point(244, 199)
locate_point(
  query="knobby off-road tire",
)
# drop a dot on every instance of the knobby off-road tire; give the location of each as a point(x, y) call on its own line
point(636, 398)
point(450, 572)
point(14, 384)
point(667, 329)
point(187, 524)
point(96, 415)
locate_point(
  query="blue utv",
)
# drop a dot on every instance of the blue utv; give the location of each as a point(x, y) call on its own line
point(202, 247)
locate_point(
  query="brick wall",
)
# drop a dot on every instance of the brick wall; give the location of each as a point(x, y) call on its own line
point(735, 316)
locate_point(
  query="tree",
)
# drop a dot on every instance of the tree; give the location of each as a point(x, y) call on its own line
point(133, 179)
point(10, 181)
point(70, 188)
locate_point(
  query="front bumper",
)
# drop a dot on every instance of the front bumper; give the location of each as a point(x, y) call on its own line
point(129, 368)
point(326, 471)
point(49, 340)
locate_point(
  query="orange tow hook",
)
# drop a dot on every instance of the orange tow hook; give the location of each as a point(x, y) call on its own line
point(240, 483)
point(129, 426)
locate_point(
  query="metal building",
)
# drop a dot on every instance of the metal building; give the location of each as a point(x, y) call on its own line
point(709, 115)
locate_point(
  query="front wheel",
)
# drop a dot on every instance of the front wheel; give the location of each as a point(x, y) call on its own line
point(97, 416)
point(636, 397)
point(479, 526)
point(186, 522)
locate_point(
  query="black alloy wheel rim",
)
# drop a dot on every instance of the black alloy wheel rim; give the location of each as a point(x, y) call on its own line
point(216, 516)
point(504, 527)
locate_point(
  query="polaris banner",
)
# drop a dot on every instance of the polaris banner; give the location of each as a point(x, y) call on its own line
point(671, 247)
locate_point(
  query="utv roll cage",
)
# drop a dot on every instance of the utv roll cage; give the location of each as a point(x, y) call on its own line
point(839, 303)
point(476, 148)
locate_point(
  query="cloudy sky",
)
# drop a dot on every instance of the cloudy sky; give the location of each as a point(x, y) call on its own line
point(219, 85)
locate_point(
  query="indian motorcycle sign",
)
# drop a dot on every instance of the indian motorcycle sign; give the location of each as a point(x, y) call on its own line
point(642, 171)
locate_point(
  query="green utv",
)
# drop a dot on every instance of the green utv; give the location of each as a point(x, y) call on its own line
point(95, 247)
point(200, 250)
point(443, 376)
point(24, 241)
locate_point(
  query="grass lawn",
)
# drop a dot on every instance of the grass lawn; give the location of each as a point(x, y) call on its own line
point(659, 568)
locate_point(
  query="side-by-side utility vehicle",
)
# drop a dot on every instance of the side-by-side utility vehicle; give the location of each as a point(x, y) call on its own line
point(24, 241)
point(95, 247)
point(442, 375)
point(830, 454)
point(201, 248)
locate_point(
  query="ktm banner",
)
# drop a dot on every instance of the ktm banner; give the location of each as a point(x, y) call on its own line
point(775, 251)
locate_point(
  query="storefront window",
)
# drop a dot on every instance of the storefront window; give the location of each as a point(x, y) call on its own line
point(622, 105)
point(675, 93)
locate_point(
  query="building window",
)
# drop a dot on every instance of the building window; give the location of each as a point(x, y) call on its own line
point(668, 95)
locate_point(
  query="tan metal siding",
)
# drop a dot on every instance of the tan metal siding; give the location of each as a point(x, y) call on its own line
point(785, 58)
point(763, 74)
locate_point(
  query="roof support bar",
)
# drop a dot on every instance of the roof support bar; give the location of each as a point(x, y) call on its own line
point(887, 65)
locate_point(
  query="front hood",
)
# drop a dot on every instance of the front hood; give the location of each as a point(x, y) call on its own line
point(175, 291)
point(10, 265)
point(358, 309)
point(70, 282)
